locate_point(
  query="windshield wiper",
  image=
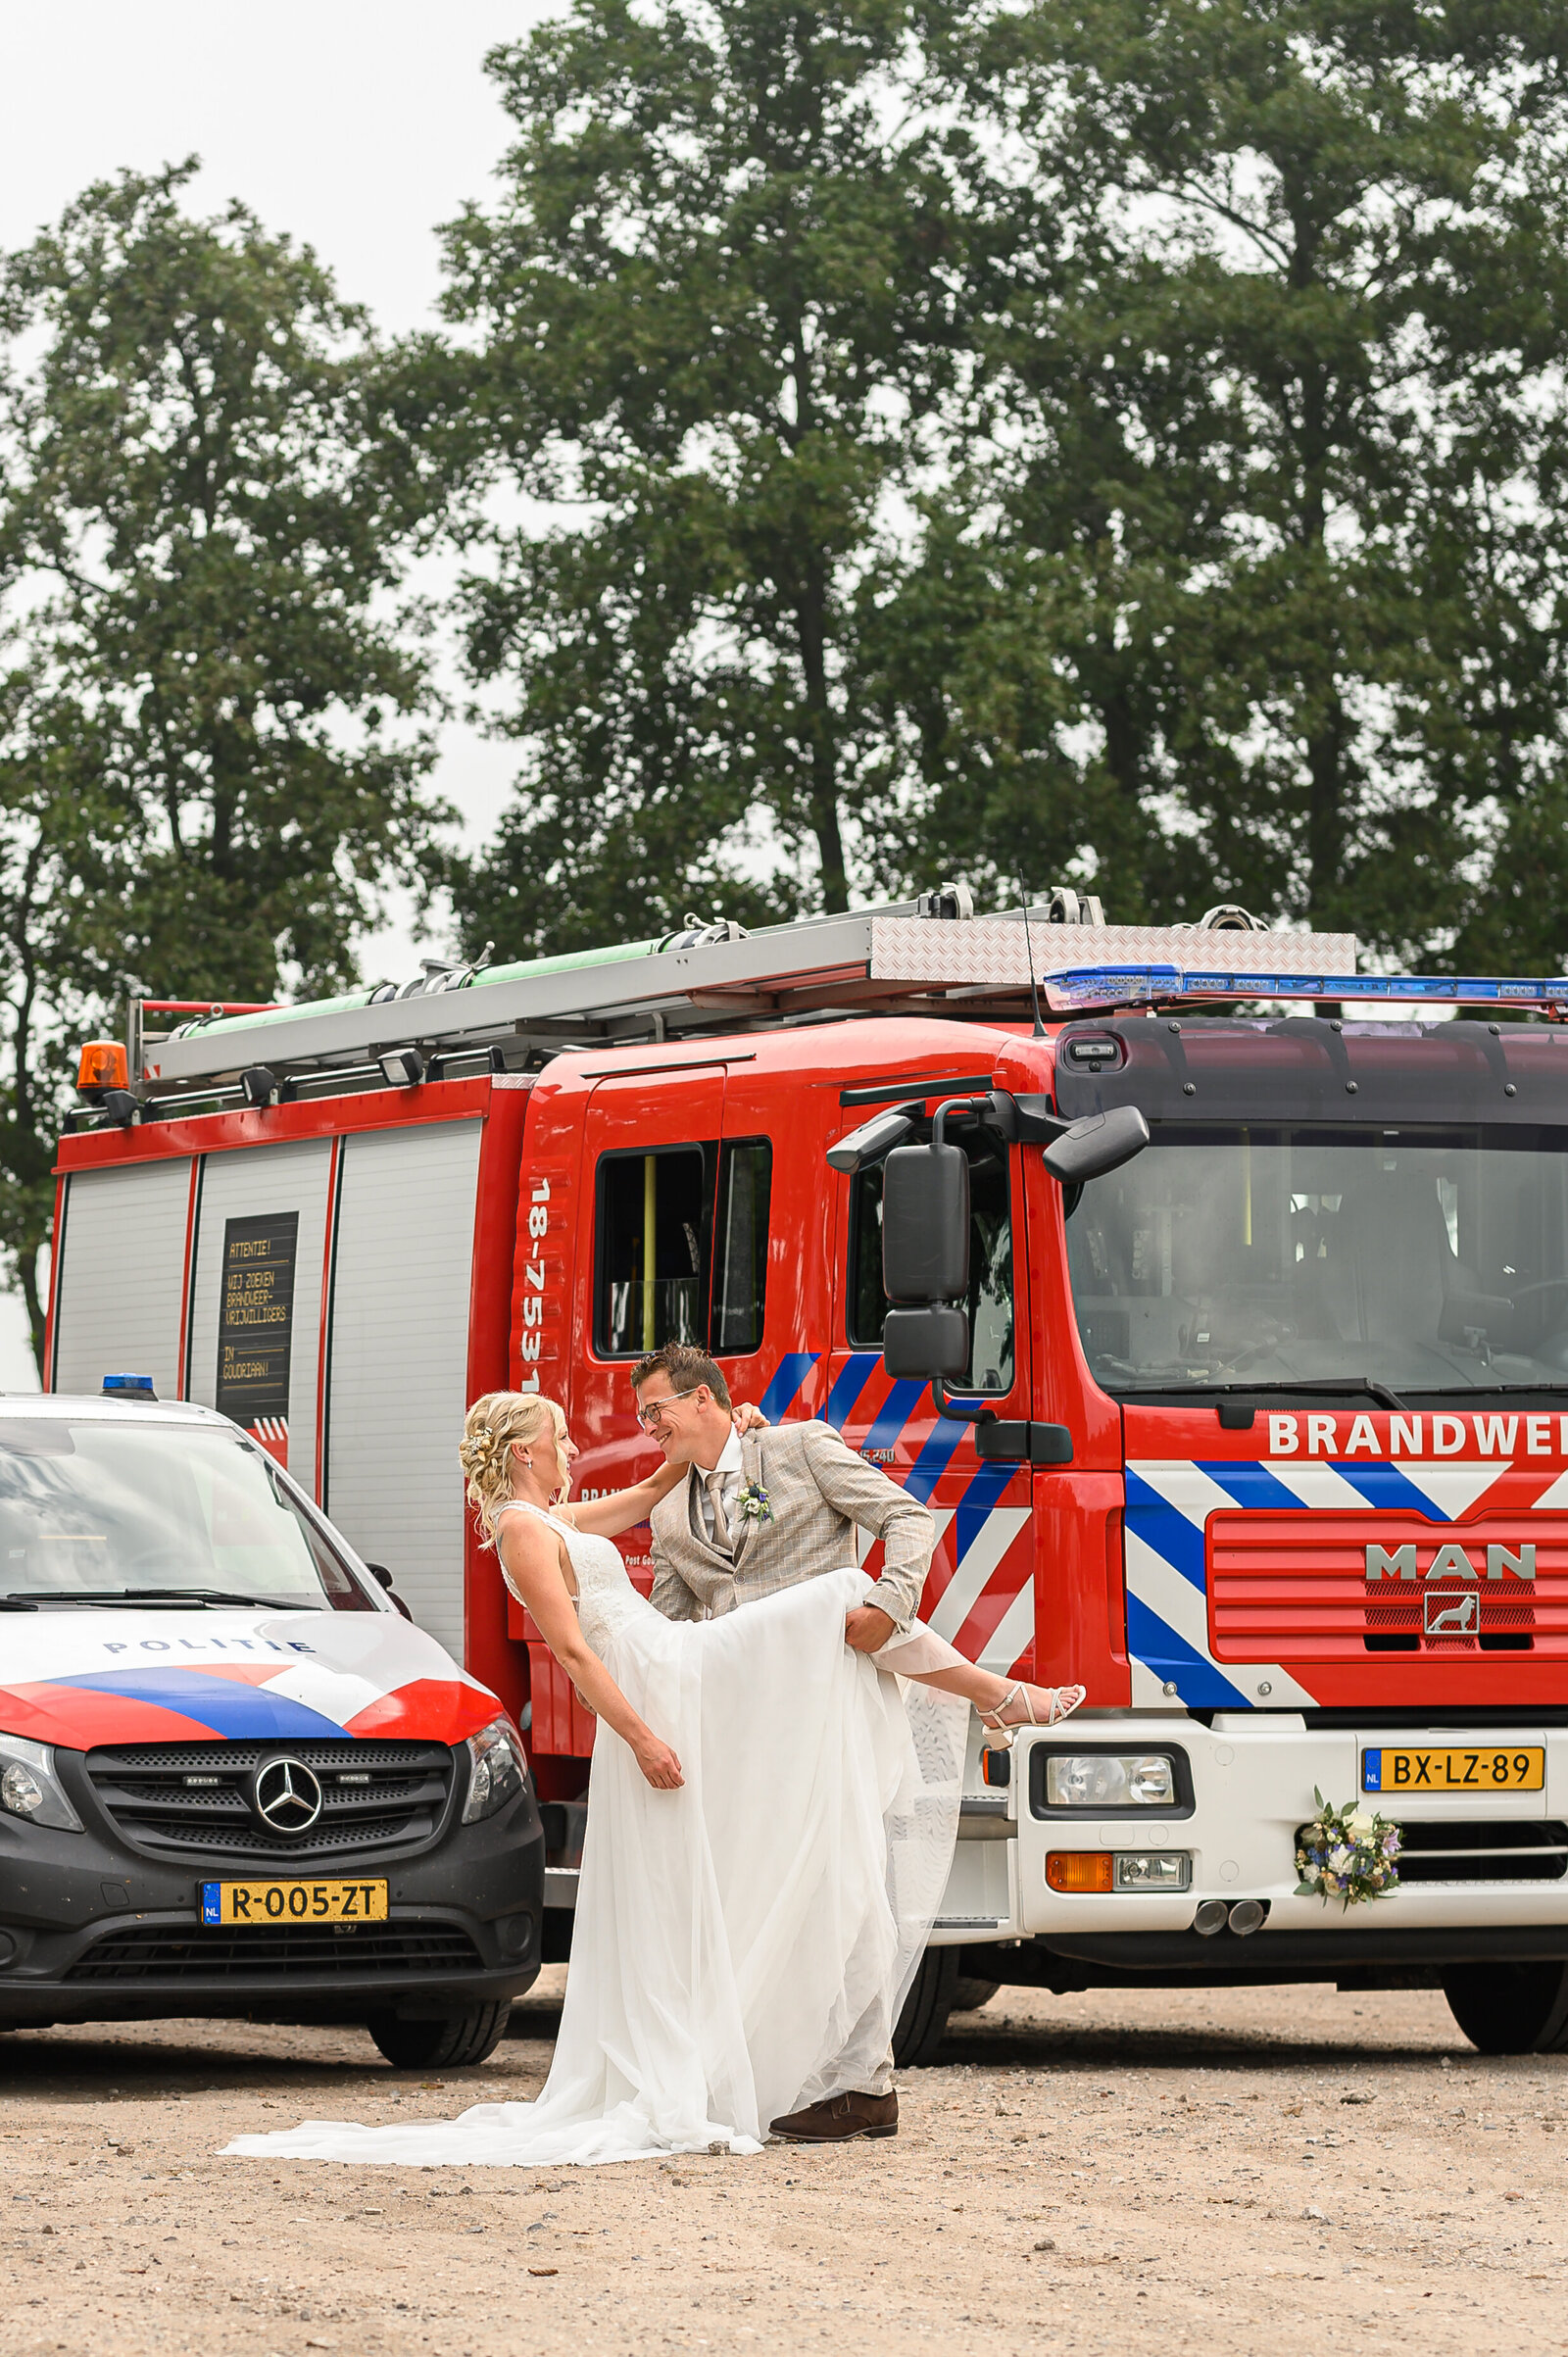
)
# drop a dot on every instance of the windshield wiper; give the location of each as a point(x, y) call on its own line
point(28, 1600)
point(1367, 1386)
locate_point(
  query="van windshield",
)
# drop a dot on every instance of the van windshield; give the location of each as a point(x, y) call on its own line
point(1423, 1260)
point(114, 1512)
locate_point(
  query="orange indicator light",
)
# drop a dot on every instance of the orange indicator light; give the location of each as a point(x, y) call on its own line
point(1079, 1869)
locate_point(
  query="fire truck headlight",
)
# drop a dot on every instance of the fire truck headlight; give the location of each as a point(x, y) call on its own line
point(31, 1787)
point(1111, 1780)
point(496, 1769)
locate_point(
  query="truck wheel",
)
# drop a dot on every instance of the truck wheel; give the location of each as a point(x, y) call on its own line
point(1511, 2008)
point(969, 1995)
point(450, 2042)
point(924, 2019)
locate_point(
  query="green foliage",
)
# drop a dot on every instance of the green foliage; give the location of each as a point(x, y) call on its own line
point(1258, 590)
point(719, 305)
point(211, 755)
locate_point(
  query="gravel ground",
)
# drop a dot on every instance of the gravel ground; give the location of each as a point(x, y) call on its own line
point(1080, 2173)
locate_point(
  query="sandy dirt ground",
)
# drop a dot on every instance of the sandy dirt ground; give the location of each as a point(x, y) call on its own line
point(1236, 2172)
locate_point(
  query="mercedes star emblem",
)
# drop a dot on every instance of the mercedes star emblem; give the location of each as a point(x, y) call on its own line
point(286, 1795)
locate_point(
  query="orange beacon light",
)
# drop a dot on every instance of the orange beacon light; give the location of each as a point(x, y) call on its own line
point(101, 1065)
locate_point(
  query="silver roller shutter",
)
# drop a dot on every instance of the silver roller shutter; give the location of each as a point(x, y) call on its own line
point(250, 1184)
point(399, 1359)
point(122, 1276)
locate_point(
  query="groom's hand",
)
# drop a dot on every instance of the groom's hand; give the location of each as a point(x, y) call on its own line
point(868, 1628)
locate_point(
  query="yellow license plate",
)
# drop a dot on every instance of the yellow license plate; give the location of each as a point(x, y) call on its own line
point(289, 1902)
point(1486, 1768)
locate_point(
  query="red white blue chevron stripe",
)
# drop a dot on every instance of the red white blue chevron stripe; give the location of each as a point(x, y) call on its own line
point(979, 1594)
point(1169, 1502)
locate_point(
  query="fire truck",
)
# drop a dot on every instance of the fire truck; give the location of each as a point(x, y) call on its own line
point(1213, 1297)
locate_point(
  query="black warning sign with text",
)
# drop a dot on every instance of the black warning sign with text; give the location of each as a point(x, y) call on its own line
point(255, 1316)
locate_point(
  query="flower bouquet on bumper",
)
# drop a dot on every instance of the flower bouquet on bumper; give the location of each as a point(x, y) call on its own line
point(1348, 1853)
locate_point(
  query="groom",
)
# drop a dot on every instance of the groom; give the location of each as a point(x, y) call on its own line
point(763, 1513)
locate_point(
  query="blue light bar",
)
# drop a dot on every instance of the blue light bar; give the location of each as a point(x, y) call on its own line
point(1075, 988)
point(129, 1387)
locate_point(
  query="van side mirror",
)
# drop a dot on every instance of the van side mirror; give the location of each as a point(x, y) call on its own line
point(1096, 1145)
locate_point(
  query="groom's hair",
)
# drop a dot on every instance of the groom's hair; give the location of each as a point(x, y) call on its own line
point(686, 1367)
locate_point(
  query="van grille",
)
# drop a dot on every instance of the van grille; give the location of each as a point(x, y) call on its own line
point(1500, 1849)
point(147, 1792)
point(241, 1952)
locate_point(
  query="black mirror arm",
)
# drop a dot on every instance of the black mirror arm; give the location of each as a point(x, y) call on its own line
point(961, 1412)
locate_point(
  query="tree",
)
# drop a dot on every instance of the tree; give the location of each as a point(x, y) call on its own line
point(214, 755)
point(1256, 590)
point(718, 310)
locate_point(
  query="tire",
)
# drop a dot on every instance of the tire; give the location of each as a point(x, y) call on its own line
point(922, 2024)
point(969, 1995)
point(451, 2042)
point(1511, 2008)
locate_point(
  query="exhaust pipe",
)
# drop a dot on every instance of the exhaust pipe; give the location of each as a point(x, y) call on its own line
point(1247, 1916)
point(1211, 1917)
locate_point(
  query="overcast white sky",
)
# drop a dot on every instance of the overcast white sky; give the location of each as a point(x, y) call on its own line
point(358, 128)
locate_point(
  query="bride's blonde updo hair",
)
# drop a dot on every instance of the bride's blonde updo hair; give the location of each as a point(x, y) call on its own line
point(489, 1429)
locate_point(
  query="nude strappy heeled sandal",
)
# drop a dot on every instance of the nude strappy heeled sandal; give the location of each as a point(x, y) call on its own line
point(1064, 1700)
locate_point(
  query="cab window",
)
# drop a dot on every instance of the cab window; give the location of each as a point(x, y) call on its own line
point(990, 1301)
point(681, 1247)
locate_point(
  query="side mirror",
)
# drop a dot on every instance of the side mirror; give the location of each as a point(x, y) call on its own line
point(926, 1224)
point(928, 1342)
point(1100, 1142)
point(379, 1573)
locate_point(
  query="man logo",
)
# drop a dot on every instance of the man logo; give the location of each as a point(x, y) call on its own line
point(1450, 1563)
point(286, 1795)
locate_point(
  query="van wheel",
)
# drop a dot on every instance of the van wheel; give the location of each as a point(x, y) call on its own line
point(1511, 2008)
point(450, 2042)
point(969, 1995)
point(923, 2022)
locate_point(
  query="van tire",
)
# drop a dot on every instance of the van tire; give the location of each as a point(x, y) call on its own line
point(969, 1994)
point(452, 2041)
point(1511, 2008)
point(922, 2024)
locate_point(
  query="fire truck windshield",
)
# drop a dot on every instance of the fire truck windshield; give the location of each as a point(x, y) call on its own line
point(112, 1513)
point(1422, 1259)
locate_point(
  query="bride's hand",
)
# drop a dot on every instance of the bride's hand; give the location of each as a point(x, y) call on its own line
point(748, 1418)
point(657, 1763)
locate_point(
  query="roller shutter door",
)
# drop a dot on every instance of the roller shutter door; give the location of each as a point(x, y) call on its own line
point(244, 1193)
point(399, 1359)
point(122, 1276)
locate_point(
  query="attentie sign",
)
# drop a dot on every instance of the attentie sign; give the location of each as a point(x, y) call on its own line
point(256, 1325)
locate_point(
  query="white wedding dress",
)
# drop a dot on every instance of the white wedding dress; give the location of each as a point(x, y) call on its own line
point(743, 1946)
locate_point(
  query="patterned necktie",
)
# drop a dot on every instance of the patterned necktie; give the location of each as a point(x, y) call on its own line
point(714, 1483)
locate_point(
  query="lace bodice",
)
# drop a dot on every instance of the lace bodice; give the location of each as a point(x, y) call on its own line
point(606, 1597)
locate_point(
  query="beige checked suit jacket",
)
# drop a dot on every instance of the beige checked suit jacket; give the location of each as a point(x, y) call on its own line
point(819, 1490)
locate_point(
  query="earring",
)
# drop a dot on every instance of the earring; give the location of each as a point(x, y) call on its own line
point(528, 1461)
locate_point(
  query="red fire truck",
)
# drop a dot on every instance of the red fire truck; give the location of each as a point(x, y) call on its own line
point(1224, 1333)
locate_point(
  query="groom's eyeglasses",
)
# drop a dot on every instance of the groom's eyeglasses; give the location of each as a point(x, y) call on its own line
point(648, 1417)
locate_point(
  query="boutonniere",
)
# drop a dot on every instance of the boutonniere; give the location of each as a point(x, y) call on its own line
point(754, 1504)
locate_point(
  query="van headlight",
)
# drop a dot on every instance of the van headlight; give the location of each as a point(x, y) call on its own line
point(496, 1769)
point(1077, 1780)
point(30, 1786)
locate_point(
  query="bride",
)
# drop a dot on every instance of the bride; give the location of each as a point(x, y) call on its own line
point(770, 1825)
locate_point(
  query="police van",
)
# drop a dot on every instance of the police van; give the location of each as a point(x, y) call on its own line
point(235, 1779)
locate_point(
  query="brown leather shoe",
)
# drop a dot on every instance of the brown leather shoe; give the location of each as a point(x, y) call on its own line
point(839, 2119)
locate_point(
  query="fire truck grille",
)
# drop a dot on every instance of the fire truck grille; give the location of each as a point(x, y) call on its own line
point(189, 1799)
point(1493, 1850)
point(1295, 1586)
point(239, 1953)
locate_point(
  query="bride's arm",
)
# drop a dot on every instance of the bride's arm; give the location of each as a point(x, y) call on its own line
point(623, 1509)
point(530, 1561)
